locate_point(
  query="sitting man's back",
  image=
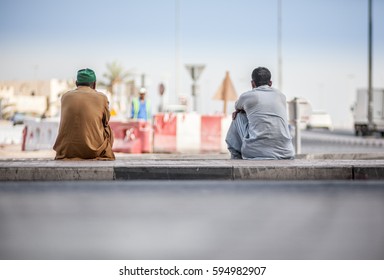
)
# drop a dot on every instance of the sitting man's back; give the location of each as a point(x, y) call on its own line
point(84, 132)
point(259, 129)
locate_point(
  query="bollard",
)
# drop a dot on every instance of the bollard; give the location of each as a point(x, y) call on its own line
point(297, 119)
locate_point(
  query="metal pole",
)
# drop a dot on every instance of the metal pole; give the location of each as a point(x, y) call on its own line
point(177, 48)
point(194, 94)
point(370, 97)
point(143, 80)
point(195, 72)
point(279, 47)
point(297, 126)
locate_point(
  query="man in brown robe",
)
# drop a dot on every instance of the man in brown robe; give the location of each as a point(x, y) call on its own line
point(84, 132)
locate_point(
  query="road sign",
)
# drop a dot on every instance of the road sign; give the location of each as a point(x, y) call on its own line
point(195, 70)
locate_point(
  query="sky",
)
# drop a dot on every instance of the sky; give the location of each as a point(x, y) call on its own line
point(324, 45)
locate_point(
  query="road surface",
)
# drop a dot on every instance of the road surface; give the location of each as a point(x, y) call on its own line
point(192, 220)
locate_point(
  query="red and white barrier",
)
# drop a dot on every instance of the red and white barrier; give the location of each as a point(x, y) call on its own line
point(133, 137)
point(39, 135)
point(190, 133)
point(171, 133)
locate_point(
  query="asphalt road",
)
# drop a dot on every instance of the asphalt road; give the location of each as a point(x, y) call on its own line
point(338, 141)
point(192, 220)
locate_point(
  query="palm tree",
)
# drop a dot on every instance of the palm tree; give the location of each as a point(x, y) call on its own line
point(115, 74)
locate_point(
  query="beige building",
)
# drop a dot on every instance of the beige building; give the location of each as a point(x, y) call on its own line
point(33, 97)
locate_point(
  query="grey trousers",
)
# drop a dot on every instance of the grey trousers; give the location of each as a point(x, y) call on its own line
point(238, 130)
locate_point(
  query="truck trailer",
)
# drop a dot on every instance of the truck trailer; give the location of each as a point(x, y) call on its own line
point(360, 112)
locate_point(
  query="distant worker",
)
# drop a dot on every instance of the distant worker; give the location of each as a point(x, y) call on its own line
point(141, 107)
point(259, 129)
point(84, 132)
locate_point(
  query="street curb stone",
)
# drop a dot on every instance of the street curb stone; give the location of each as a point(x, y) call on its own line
point(55, 173)
point(294, 173)
point(192, 169)
point(368, 172)
point(173, 173)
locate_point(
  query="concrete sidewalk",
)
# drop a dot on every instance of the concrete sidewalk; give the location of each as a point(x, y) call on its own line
point(196, 167)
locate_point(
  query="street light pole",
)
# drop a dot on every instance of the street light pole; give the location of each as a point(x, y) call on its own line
point(177, 48)
point(370, 95)
point(279, 47)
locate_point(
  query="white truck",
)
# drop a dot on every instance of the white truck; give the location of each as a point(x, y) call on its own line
point(360, 112)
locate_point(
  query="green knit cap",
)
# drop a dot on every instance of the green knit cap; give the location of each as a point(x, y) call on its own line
point(86, 76)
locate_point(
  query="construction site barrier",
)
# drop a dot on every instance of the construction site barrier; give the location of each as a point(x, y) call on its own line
point(132, 137)
point(39, 135)
point(190, 133)
point(170, 133)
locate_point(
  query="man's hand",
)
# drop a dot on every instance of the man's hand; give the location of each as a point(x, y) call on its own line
point(234, 114)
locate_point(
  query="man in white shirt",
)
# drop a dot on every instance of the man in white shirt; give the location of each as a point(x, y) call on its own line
point(259, 129)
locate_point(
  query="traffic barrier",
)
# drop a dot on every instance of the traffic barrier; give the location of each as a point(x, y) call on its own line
point(164, 138)
point(132, 136)
point(190, 133)
point(225, 123)
point(213, 133)
point(210, 133)
point(173, 133)
point(39, 135)
point(188, 130)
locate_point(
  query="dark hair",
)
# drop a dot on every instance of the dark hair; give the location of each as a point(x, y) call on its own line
point(85, 84)
point(261, 76)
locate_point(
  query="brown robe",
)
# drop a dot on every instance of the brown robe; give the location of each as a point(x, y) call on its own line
point(84, 132)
